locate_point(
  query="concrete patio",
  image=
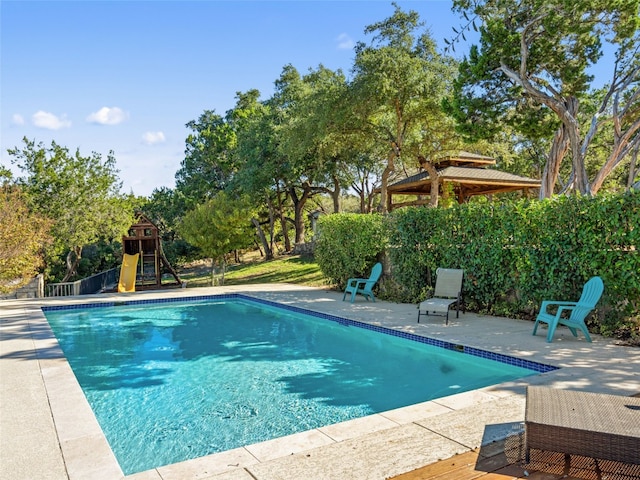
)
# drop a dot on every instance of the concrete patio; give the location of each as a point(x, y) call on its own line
point(48, 431)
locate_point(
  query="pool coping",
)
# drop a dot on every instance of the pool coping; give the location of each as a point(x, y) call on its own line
point(86, 454)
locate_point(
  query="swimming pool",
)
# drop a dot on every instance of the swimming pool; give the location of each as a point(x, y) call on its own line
point(147, 360)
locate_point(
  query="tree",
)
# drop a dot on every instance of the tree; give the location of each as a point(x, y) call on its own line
point(207, 166)
point(397, 89)
point(532, 67)
point(259, 173)
point(23, 237)
point(300, 169)
point(5, 174)
point(166, 207)
point(217, 227)
point(320, 139)
point(81, 195)
point(270, 163)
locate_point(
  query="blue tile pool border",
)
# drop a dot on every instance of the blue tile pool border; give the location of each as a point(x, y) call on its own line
point(498, 357)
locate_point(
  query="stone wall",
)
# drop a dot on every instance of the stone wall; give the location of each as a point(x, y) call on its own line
point(33, 289)
point(305, 249)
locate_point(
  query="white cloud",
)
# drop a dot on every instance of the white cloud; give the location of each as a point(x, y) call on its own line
point(108, 116)
point(50, 121)
point(345, 42)
point(151, 138)
point(17, 119)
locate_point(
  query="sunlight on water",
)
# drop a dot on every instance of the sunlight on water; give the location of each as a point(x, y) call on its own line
point(174, 381)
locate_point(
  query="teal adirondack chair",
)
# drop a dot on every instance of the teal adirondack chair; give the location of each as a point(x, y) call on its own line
point(363, 286)
point(577, 311)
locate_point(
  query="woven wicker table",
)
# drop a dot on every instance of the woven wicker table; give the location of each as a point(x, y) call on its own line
point(605, 427)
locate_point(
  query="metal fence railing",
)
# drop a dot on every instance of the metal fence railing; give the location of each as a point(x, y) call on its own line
point(98, 282)
point(93, 284)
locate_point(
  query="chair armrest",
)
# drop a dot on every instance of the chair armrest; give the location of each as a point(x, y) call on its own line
point(548, 303)
point(354, 282)
point(565, 308)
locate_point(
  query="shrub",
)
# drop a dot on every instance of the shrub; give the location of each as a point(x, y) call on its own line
point(348, 245)
point(514, 254)
point(517, 254)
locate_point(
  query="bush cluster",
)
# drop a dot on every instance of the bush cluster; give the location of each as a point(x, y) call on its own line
point(514, 254)
point(349, 244)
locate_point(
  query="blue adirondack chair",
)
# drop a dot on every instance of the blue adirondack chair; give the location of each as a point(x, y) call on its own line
point(577, 311)
point(363, 286)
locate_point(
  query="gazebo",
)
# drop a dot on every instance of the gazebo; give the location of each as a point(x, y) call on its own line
point(466, 173)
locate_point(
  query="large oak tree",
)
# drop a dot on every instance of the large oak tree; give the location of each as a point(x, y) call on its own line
point(531, 68)
point(399, 82)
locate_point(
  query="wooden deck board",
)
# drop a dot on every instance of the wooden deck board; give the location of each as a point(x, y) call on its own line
point(509, 464)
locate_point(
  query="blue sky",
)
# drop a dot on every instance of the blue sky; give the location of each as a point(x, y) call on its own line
point(128, 75)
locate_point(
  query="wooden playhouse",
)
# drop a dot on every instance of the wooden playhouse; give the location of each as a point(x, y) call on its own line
point(143, 238)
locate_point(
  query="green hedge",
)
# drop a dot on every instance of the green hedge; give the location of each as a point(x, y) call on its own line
point(517, 254)
point(348, 245)
point(514, 254)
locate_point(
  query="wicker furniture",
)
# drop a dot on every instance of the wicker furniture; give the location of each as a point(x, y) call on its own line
point(605, 427)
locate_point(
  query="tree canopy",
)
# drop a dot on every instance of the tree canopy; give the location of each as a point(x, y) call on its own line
point(206, 168)
point(23, 237)
point(399, 82)
point(531, 69)
point(80, 194)
point(219, 226)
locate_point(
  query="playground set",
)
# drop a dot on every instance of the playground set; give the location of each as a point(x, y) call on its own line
point(144, 263)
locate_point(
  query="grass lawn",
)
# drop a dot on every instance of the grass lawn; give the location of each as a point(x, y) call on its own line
point(285, 269)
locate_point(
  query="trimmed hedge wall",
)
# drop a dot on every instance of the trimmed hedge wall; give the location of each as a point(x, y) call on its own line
point(514, 254)
point(348, 245)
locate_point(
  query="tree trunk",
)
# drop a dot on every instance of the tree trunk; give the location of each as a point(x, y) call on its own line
point(579, 170)
point(223, 267)
point(263, 239)
point(623, 145)
point(434, 178)
point(259, 247)
point(283, 224)
point(213, 272)
point(298, 208)
point(558, 150)
point(272, 224)
point(335, 195)
point(364, 207)
point(73, 259)
point(626, 123)
point(360, 190)
point(385, 200)
point(632, 167)
point(567, 111)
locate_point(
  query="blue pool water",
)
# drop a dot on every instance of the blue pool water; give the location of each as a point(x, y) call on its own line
point(178, 380)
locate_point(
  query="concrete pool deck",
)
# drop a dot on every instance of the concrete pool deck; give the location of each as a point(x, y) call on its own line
point(48, 431)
